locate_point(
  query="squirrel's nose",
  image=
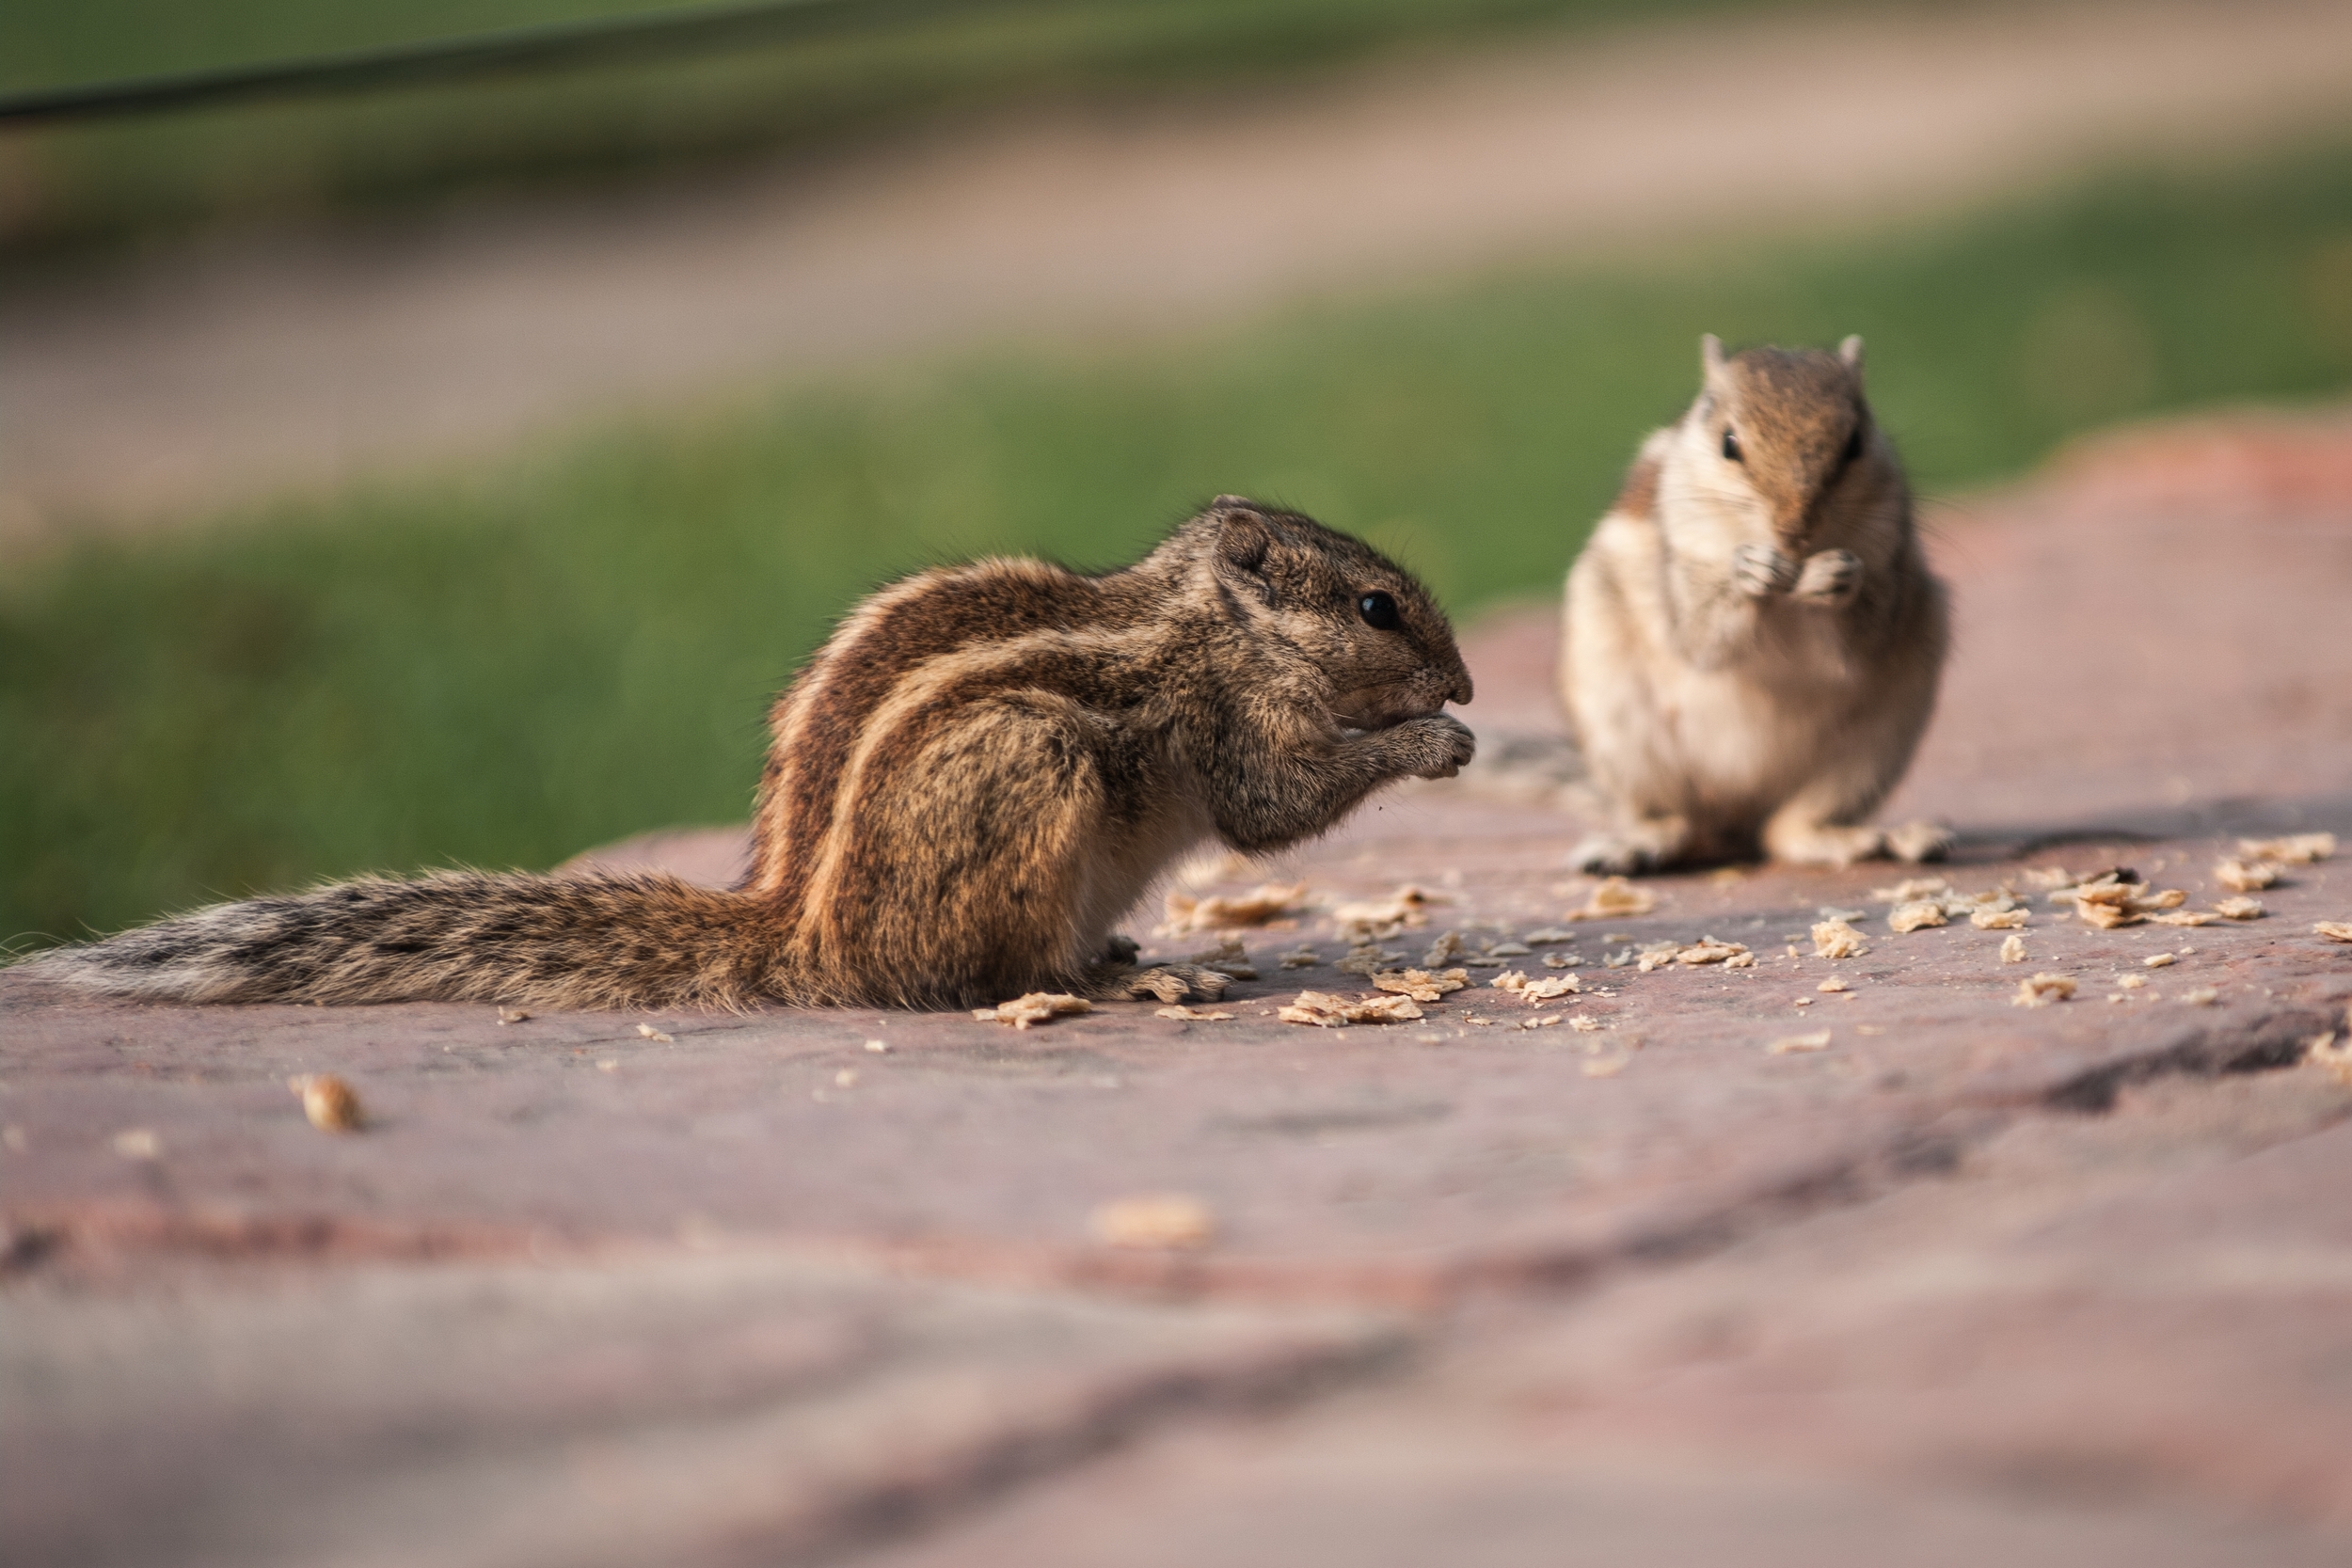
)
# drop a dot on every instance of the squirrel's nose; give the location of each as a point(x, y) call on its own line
point(1461, 692)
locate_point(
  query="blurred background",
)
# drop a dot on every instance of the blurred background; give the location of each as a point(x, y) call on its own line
point(448, 473)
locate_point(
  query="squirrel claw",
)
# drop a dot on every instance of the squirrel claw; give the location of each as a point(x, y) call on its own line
point(1762, 571)
point(1829, 577)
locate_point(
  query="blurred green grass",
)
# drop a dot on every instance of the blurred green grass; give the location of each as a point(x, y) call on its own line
point(66, 188)
point(508, 665)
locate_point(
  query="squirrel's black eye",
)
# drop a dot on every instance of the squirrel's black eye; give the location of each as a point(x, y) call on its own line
point(1853, 447)
point(1379, 612)
point(1732, 445)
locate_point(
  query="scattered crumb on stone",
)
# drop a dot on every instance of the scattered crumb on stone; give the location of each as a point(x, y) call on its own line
point(1194, 1015)
point(1830, 912)
point(1614, 897)
point(1791, 1044)
point(1228, 957)
point(1376, 920)
point(2109, 901)
point(2295, 849)
point(1834, 939)
point(608, 1063)
point(1300, 957)
point(1447, 946)
point(2039, 990)
point(2043, 876)
point(2131, 982)
point(1534, 991)
point(1996, 920)
point(1421, 984)
point(1326, 1011)
point(2240, 876)
point(1911, 889)
point(139, 1143)
point(2335, 930)
point(653, 1034)
point(2240, 909)
point(2201, 997)
point(877, 1047)
point(1741, 960)
point(1159, 1222)
point(1036, 1007)
point(1370, 958)
point(1915, 917)
point(2014, 950)
point(1709, 950)
point(513, 1015)
point(331, 1105)
point(1549, 935)
point(1605, 1066)
point(2159, 961)
point(844, 1079)
point(1831, 985)
point(1867, 1029)
point(1585, 1023)
point(1186, 912)
point(2183, 917)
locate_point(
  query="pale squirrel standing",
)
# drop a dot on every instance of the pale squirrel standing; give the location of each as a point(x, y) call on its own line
point(974, 778)
point(1752, 639)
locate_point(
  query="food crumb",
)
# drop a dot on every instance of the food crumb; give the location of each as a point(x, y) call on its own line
point(877, 1047)
point(1605, 1066)
point(331, 1103)
point(513, 1015)
point(2203, 996)
point(1832, 984)
point(1178, 1011)
point(844, 1079)
point(1324, 1010)
point(1186, 912)
point(2239, 908)
point(2159, 961)
point(1614, 897)
point(608, 1063)
point(1836, 939)
point(1158, 1222)
point(1915, 917)
point(2014, 950)
point(1420, 984)
point(2335, 930)
point(2296, 848)
point(1791, 1044)
point(653, 1034)
point(2240, 876)
point(2131, 982)
point(1036, 1007)
point(1997, 920)
point(2039, 990)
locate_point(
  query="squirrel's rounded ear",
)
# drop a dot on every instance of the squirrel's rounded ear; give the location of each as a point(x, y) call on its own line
point(1243, 538)
point(1851, 351)
point(1711, 355)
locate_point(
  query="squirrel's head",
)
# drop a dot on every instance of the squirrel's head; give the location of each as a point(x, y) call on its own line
point(1786, 430)
point(1374, 633)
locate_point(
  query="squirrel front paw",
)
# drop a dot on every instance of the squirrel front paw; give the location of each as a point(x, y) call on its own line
point(1829, 577)
point(1762, 571)
point(1436, 747)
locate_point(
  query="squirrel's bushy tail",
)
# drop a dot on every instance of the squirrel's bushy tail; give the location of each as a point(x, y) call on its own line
point(459, 936)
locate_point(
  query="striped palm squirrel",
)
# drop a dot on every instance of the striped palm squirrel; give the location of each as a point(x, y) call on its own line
point(982, 770)
point(1752, 639)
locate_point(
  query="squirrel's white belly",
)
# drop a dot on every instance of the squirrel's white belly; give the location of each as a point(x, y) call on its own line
point(1739, 746)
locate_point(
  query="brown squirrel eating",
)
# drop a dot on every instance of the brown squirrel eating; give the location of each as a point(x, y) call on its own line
point(970, 784)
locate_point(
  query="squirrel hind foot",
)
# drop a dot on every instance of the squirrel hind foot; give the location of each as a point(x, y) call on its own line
point(1921, 841)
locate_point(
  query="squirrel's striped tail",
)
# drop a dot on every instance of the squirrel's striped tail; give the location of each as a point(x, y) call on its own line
point(460, 936)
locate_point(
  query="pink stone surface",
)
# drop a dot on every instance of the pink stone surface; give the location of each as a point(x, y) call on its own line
point(1974, 1281)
